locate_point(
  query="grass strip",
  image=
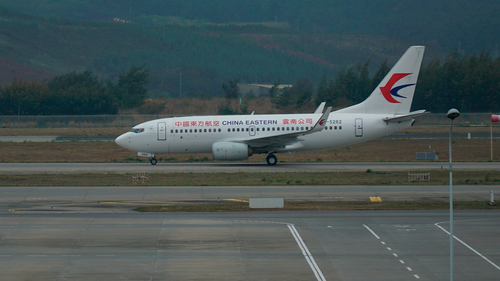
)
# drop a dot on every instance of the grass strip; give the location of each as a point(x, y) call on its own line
point(248, 179)
point(325, 206)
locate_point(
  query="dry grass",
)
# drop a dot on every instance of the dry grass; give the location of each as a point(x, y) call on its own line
point(325, 206)
point(387, 150)
point(249, 179)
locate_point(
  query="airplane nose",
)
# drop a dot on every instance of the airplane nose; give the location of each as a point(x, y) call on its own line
point(122, 140)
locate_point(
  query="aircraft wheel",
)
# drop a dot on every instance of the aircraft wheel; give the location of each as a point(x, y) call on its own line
point(271, 159)
point(153, 161)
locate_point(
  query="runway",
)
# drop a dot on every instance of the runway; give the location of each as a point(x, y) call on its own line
point(346, 245)
point(235, 167)
point(89, 233)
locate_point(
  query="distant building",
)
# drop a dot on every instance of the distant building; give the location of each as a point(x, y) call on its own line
point(259, 90)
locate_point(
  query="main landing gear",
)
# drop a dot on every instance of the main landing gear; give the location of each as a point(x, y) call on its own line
point(153, 161)
point(271, 159)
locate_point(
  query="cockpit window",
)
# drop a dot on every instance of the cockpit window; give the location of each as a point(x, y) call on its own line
point(137, 130)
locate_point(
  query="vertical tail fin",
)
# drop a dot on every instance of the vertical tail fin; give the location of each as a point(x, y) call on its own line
point(395, 93)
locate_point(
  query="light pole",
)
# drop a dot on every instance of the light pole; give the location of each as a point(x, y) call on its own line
point(452, 114)
point(494, 118)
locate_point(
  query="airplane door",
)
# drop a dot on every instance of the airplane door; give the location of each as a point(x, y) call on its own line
point(162, 131)
point(251, 130)
point(359, 127)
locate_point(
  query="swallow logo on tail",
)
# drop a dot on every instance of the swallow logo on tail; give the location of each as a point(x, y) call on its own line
point(389, 92)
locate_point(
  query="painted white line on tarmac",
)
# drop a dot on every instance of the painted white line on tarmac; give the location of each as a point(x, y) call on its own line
point(390, 249)
point(306, 253)
point(369, 229)
point(470, 248)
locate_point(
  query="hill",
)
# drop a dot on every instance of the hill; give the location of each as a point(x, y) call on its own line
point(206, 55)
point(447, 24)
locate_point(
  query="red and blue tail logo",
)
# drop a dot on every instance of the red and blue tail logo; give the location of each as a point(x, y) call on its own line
point(389, 92)
point(322, 122)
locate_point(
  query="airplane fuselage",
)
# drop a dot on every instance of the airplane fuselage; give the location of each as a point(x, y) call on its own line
point(197, 134)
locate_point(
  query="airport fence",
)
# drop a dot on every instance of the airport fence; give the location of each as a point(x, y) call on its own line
point(87, 121)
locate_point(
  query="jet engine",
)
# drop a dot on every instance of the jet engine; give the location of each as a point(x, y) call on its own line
point(226, 150)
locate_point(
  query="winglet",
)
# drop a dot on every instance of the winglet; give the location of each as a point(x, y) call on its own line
point(320, 125)
point(320, 108)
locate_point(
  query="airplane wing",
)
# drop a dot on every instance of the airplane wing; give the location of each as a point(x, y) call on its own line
point(405, 117)
point(287, 138)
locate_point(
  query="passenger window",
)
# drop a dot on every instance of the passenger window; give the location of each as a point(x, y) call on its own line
point(209, 130)
point(268, 129)
point(292, 128)
point(238, 129)
point(195, 130)
point(204, 130)
point(176, 131)
point(228, 130)
point(190, 130)
point(302, 128)
point(181, 131)
point(273, 129)
point(257, 129)
point(219, 130)
point(335, 127)
point(288, 128)
point(340, 127)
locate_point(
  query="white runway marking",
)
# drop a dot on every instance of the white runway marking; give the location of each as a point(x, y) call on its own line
point(306, 253)
point(469, 247)
point(369, 229)
point(390, 249)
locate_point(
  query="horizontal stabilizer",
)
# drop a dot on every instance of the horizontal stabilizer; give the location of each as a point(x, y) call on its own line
point(405, 117)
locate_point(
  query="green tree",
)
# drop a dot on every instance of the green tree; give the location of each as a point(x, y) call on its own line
point(232, 90)
point(322, 93)
point(295, 97)
point(380, 74)
point(77, 93)
point(131, 87)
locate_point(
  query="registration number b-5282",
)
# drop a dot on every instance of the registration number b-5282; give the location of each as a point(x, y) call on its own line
point(335, 122)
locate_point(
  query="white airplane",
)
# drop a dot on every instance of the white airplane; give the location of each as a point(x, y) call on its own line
point(236, 137)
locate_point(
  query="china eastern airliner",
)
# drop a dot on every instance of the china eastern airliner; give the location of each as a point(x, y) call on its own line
point(237, 137)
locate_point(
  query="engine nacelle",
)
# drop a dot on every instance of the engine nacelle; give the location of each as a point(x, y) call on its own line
point(226, 150)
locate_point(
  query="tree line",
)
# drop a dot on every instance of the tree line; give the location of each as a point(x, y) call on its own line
point(470, 83)
point(74, 94)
